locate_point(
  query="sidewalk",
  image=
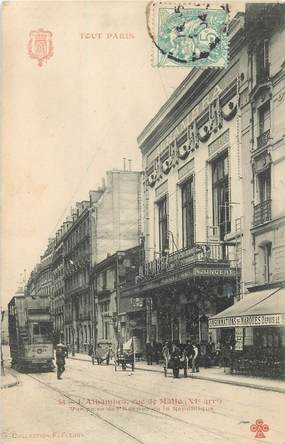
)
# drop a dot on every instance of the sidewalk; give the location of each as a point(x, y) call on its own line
point(8, 380)
point(214, 374)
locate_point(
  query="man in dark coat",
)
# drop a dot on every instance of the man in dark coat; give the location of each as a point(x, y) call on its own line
point(188, 353)
point(60, 354)
point(148, 352)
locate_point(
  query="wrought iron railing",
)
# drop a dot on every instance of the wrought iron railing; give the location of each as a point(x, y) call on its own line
point(262, 212)
point(213, 252)
point(263, 139)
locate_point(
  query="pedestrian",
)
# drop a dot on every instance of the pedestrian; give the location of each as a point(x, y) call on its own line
point(175, 360)
point(90, 350)
point(148, 351)
point(60, 355)
point(109, 354)
point(188, 353)
point(166, 356)
point(195, 359)
point(156, 352)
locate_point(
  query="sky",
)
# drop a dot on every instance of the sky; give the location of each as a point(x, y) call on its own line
point(66, 123)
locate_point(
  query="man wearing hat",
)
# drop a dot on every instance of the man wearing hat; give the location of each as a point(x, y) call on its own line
point(60, 354)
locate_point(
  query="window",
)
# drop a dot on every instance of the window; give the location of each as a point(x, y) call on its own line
point(262, 61)
point(104, 280)
point(105, 306)
point(187, 214)
point(264, 118)
point(163, 225)
point(36, 329)
point(264, 185)
point(221, 205)
point(267, 262)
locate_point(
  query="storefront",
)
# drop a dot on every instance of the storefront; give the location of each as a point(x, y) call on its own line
point(256, 326)
point(179, 293)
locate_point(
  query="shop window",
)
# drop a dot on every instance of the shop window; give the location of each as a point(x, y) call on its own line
point(262, 61)
point(221, 195)
point(163, 225)
point(187, 214)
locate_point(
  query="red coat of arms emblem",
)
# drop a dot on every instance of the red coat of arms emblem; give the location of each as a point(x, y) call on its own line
point(40, 46)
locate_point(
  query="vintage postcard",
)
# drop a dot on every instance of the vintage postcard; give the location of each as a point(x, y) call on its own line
point(142, 222)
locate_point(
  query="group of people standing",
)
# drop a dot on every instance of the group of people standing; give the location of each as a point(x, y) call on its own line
point(174, 355)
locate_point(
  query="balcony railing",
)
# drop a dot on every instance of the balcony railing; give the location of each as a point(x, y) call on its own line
point(263, 139)
point(200, 253)
point(262, 212)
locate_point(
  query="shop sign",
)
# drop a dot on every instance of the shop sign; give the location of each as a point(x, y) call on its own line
point(239, 338)
point(248, 321)
point(137, 302)
point(215, 272)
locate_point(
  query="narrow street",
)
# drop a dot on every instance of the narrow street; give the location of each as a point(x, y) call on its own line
point(95, 404)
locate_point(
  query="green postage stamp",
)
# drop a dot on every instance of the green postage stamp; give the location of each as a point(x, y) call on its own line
point(189, 35)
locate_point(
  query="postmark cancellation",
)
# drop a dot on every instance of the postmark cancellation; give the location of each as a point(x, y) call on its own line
point(189, 35)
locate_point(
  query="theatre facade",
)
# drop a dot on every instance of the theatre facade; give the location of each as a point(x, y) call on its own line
point(192, 203)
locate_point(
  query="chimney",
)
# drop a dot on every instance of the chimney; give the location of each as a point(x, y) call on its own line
point(130, 164)
point(124, 160)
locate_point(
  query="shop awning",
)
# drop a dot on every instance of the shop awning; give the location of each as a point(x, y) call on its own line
point(261, 308)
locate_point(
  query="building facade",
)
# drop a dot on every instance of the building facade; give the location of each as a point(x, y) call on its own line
point(111, 311)
point(192, 203)
point(57, 296)
point(107, 223)
point(263, 144)
point(258, 319)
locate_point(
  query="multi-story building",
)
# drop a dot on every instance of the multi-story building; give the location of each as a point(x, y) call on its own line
point(44, 280)
point(40, 281)
point(192, 202)
point(107, 223)
point(57, 297)
point(259, 319)
point(111, 311)
point(77, 262)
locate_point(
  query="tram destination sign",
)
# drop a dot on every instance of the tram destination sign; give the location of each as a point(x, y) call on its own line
point(248, 321)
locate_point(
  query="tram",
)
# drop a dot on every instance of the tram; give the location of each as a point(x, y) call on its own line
point(30, 333)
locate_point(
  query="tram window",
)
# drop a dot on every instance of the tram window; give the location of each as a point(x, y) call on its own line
point(36, 329)
point(45, 328)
